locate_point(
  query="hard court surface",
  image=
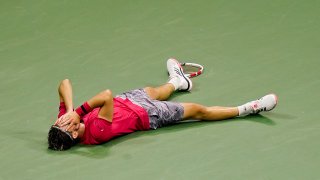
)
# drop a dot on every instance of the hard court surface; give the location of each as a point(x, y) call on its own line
point(249, 48)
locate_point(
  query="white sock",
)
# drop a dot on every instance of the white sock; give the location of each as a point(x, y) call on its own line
point(175, 81)
point(244, 109)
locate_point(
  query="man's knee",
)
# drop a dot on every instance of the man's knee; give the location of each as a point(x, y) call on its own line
point(201, 112)
point(195, 111)
point(151, 92)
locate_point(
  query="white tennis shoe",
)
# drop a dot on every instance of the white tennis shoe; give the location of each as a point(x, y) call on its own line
point(266, 103)
point(175, 71)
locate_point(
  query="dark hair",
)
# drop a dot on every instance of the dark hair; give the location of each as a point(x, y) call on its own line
point(59, 139)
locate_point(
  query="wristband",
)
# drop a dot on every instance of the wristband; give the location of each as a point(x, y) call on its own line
point(83, 109)
point(62, 105)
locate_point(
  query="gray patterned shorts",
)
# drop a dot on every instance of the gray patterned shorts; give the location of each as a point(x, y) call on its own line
point(161, 113)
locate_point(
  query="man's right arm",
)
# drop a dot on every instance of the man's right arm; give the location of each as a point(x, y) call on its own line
point(104, 100)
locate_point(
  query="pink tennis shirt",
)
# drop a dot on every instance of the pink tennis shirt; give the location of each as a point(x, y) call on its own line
point(127, 118)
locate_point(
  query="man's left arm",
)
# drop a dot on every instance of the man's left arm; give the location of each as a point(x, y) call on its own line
point(65, 96)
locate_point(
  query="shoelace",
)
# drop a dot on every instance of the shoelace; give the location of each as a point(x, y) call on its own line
point(177, 70)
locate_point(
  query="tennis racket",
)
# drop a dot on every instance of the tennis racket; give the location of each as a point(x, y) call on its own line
point(192, 69)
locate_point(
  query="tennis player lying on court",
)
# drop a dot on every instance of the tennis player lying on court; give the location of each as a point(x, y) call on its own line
point(104, 117)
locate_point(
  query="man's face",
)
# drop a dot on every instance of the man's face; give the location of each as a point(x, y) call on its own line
point(72, 129)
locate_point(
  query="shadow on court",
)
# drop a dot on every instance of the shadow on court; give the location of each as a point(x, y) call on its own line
point(101, 151)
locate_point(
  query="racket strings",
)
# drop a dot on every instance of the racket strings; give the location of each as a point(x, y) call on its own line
point(192, 69)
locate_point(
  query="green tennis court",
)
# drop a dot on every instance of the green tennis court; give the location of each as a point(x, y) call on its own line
point(248, 48)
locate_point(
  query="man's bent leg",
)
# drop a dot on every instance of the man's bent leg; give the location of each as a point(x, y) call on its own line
point(160, 93)
point(200, 112)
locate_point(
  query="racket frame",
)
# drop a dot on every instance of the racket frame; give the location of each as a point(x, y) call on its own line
point(193, 74)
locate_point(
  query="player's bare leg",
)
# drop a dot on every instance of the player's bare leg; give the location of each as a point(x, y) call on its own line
point(177, 81)
point(197, 111)
point(160, 93)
